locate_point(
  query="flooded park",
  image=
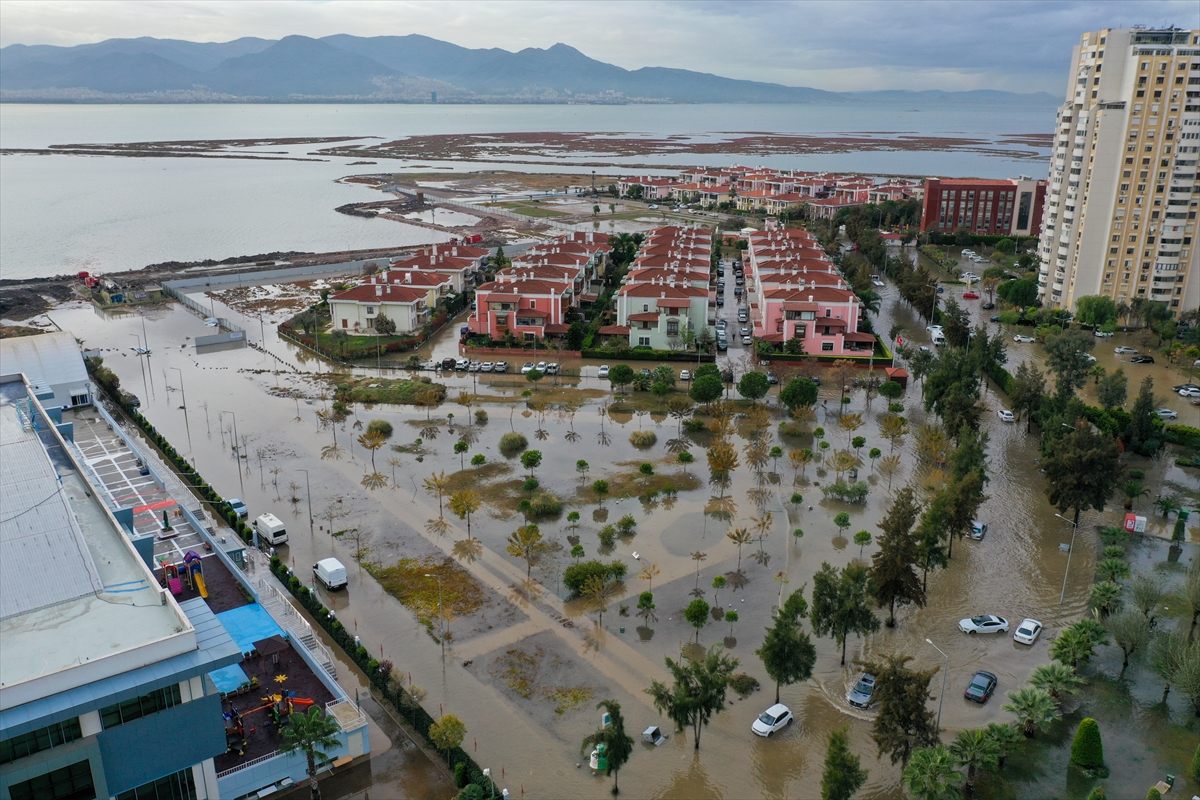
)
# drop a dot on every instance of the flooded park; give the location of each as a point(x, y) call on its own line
point(523, 665)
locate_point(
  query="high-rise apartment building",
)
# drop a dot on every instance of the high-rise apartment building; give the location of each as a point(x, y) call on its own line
point(1120, 215)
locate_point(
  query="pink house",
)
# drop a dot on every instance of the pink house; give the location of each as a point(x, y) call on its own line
point(527, 308)
point(824, 318)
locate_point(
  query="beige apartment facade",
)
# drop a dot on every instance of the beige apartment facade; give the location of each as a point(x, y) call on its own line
point(1121, 205)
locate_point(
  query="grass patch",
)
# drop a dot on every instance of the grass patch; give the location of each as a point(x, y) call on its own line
point(512, 442)
point(476, 477)
point(794, 429)
point(520, 670)
point(398, 391)
point(414, 448)
point(541, 394)
point(643, 438)
point(406, 581)
point(634, 484)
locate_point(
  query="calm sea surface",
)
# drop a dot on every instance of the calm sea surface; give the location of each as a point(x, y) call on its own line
point(65, 213)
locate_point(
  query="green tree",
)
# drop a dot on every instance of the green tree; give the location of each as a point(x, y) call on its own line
point(787, 653)
point(706, 388)
point(1106, 597)
point(974, 750)
point(1140, 431)
point(840, 606)
point(799, 392)
point(531, 460)
point(862, 539)
point(620, 376)
point(447, 733)
point(460, 447)
point(463, 504)
point(1087, 749)
point(1056, 679)
point(1067, 358)
point(1096, 310)
point(618, 745)
point(842, 774)
point(1077, 643)
point(753, 385)
point(1130, 632)
point(697, 691)
point(313, 734)
point(903, 722)
point(478, 460)
point(1082, 471)
point(1006, 737)
point(601, 489)
point(894, 566)
point(1168, 653)
point(527, 543)
point(697, 614)
point(1029, 389)
point(1113, 389)
point(719, 582)
point(1033, 708)
point(842, 520)
point(931, 774)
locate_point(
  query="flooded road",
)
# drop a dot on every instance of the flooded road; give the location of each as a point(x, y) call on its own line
point(1017, 571)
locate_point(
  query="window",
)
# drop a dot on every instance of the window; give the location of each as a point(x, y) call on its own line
point(138, 707)
point(672, 327)
point(180, 786)
point(370, 310)
point(73, 782)
point(643, 341)
point(42, 739)
point(827, 347)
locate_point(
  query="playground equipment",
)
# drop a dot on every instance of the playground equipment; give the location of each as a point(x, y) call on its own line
point(195, 570)
point(191, 570)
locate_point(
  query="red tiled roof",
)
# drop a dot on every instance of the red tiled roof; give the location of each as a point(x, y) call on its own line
point(674, 302)
point(858, 337)
point(367, 293)
point(645, 316)
point(557, 327)
point(531, 312)
point(661, 290)
point(614, 330)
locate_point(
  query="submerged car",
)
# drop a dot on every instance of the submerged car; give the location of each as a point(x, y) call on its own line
point(1193, 392)
point(603, 373)
point(527, 367)
point(1005, 415)
point(773, 719)
point(978, 530)
point(981, 687)
point(1142, 360)
point(970, 295)
point(1103, 334)
point(863, 693)
point(1125, 351)
point(1166, 413)
point(983, 623)
point(1023, 338)
point(1028, 631)
point(239, 508)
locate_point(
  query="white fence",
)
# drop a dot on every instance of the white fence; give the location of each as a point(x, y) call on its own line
point(288, 618)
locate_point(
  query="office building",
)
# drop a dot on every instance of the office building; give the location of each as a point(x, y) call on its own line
point(1120, 217)
point(1010, 207)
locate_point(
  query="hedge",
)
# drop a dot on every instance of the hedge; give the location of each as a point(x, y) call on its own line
point(645, 354)
point(378, 673)
point(1184, 435)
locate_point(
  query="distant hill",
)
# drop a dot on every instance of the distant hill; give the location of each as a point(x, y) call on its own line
point(396, 69)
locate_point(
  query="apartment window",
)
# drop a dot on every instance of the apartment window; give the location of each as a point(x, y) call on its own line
point(672, 327)
point(138, 707)
point(180, 786)
point(42, 739)
point(645, 307)
point(643, 341)
point(72, 782)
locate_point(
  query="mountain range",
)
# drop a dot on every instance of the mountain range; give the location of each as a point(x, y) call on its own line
point(410, 68)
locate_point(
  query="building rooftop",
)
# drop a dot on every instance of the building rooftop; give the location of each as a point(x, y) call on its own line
point(44, 359)
point(79, 605)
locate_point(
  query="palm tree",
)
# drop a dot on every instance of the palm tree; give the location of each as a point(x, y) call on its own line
point(1034, 708)
point(598, 592)
point(464, 503)
point(1133, 490)
point(739, 536)
point(974, 749)
point(1056, 679)
point(1113, 568)
point(931, 774)
point(1106, 597)
point(1006, 737)
point(1167, 504)
point(437, 484)
point(312, 734)
point(526, 542)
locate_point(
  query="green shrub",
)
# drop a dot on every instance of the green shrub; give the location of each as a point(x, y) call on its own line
point(576, 575)
point(472, 791)
point(693, 425)
point(513, 443)
point(1153, 794)
point(1177, 534)
point(481, 416)
point(545, 504)
point(460, 775)
point(1196, 765)
point(643, 438)
point(1184, 435)
point(847, 493)
point(1097, 793)
point(743, 684)
point(789, 428)
point(1136, 474)
point(1087, 750)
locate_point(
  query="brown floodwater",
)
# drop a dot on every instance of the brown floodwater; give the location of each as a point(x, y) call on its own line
point(1017, 571)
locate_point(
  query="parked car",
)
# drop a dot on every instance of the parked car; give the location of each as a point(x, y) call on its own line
point(432, 364)
point(983, 623)
point(743, 315)
point(988, 307)
point(1103, 334)
point(1179, 389)
point(1028, 631)
point(863, 693)
point(652, 205)
point(933, 328)
point(747, 341)
point(487, 366)
point(1142, 360)
point(449, 363)
point(978, 530)
point(720, 301)
point(1189, 392)
point(941, 289)
point(239, 508)
point(603, 373)
point(475, 366)
point(722, 344)
point(745, 331)
point(527, 367)
point(994, 319)
point(330, 572)
point(461, 365)
point(552, 368)
point(981, 687)
point(501, 366)
point(1166, 413)
point(772, 378)
point(646, 371)
point(684, 375)
point(1124, 351)
point(1005, 415)
point(970, 295)
point(773, 719)
point(541, 367)
point(1023, 338)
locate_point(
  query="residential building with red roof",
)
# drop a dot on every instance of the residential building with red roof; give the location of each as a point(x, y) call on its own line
point(525, 307)
point(355, 310)
point(461, 262)
point(1011, 207)
point(666, 291)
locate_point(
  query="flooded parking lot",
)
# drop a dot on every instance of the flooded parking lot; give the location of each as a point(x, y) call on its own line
point(268, 399)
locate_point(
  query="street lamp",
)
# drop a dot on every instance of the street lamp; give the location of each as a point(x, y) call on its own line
point(438, 578)
point(308, 488)
point(487, 773)
point(942, 696)
point(1070, 550)
point(236, 449)
point(139, 341)
point(181, 391)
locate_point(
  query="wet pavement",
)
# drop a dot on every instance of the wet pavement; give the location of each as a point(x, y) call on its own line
point(1016, 571)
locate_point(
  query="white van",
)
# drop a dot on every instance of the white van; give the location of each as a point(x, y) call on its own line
point(270, 528)
point(330, 572)
point(938, 338)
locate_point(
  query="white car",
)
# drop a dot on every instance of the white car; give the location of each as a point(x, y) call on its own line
point(1103, 334)
point(1166, 413)
point(603, 373)
point(934, 328)
point(1022, 338)
point(1091, 358)
point(747, 341)
point(978, 530)
point(541, 367)
point(501, 366)
point(487, 366)
point(984, 623)
point(1005, 415)
point(1124, 351)
point(653, 205)
point(773, 719)
point(527, 367)
point(1189, 392)
point(684, 375)
point(1028, 631)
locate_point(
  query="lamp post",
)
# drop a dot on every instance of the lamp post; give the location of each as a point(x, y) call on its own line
point(942, 696)
point(181, 391)
point(308, 488)
point(438, 578)
point(138, 336)
point(1070, 549)
point(236, 449)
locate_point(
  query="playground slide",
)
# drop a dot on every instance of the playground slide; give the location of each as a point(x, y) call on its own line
point(303, 701)
point(200, 585)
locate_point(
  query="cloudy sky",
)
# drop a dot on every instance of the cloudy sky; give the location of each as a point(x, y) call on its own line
point(845, 45)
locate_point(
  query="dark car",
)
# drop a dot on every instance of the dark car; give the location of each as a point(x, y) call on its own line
point(940, 290)
point(1142, 360)
point(995, 319)
point(863, 692)
point(449, 363)
point(720, 300)
point(772, 378)
point(988, 306)
point(981, 687)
